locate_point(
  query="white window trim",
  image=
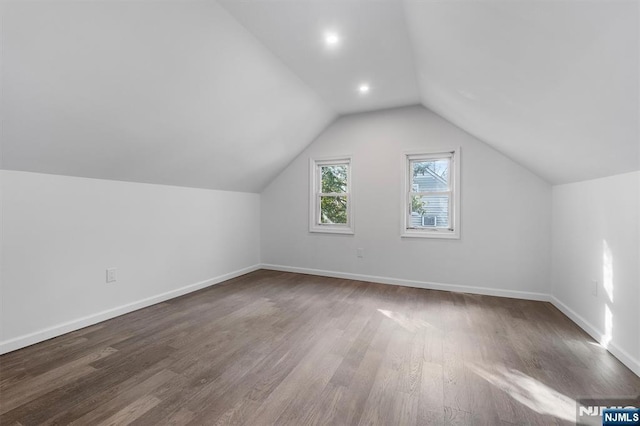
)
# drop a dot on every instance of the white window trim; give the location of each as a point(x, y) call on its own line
point(453, 233)
point(314, 207)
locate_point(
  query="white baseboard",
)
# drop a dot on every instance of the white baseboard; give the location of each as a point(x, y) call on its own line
point(620, 354)
point(624, 357)
point(411, 283)
point(57, 330)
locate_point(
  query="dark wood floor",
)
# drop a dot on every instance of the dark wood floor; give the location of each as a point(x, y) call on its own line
point(279, 348)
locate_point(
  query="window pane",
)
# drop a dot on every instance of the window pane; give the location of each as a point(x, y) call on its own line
point(429, 175)
point(430, 211)
point(333, 210)
point(334, 178)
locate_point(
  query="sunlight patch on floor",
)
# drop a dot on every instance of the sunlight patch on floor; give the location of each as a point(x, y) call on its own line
point(410, 324)
point(530, 392)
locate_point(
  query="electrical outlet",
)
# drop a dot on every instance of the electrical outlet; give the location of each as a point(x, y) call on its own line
point(360, 253)
point(111, 275)
point(594, 288)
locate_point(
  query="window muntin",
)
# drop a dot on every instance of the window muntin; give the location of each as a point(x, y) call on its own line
point(331, 198)
point(430, 198)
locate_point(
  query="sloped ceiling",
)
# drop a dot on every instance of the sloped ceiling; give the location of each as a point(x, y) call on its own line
point(552, 84)
point(165, 92)
point(197, 94)
point(373, 48)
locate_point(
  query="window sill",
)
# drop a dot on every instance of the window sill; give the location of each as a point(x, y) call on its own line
point(331, 230)
point(450, 235)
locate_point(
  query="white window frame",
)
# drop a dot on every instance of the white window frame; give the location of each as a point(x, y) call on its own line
point(315, 180)
point(453, 232)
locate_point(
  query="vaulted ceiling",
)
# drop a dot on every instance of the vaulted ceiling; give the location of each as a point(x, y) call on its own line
point(224, 95)
point(552, 84)
point(166, 92)
point(373, 48)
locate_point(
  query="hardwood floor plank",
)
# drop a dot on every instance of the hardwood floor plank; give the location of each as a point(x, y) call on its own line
point(274, 348)
point(29, 389)
point(131, 411)
point(315, 370)
point(84, 404)
point(121, 400)
point(357, 392)
point(380, 405)
point(69, 395)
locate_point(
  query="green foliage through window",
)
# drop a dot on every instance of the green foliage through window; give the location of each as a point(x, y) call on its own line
point(333, 208)
point(418, 206)
point(334, 179)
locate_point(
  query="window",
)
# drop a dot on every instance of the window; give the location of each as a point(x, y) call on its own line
point(330, 201)
point(431, 198)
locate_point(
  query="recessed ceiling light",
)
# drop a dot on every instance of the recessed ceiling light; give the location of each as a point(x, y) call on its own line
point(364, 88)
point(331, 39)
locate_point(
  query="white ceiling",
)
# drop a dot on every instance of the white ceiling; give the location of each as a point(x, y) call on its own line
point(374, 47)
point(552, 84)
point(191, 93)
point(168, 92)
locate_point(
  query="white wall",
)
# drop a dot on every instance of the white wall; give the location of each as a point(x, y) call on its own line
point(60, 233)
point(505, 243)
point(596, 225)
